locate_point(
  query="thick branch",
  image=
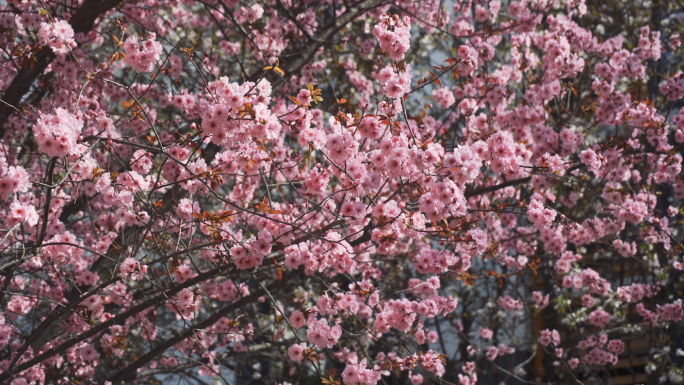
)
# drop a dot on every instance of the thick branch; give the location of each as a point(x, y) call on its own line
point(323, 36)
point(120, 318)
point(128, 373)
point(489, 189)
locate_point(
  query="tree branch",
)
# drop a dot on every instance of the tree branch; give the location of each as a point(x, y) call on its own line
point(484, 190)
point(128, 373)
point(82, 21)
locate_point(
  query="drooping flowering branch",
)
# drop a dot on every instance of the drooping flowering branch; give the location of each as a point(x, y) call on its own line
point(192, 189)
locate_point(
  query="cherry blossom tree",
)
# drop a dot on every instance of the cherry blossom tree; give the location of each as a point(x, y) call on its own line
point(338, 192)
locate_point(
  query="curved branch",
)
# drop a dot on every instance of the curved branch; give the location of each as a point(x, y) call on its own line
point(128, 373)
point(484, 190)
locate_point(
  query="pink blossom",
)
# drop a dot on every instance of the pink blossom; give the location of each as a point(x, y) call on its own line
point(396, 40)
point(321, 335)
point(57, 134)
point(444, 97)
point(297, 319)
point(58, 35)
point(599, 318)
point(295, 352)
point(486, 333)
point(304, 97)
point(359, 374)
point(142, 57)
point(481, 14)
point(130, 268)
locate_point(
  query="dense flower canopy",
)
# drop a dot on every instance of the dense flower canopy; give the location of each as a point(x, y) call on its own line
point(352, 192)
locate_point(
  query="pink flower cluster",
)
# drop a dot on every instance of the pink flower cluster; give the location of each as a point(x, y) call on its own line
point(505, 154)
point(57, 134)
point(64, 249)
point(465, 163)
point(142, 57)
point(251, 14)
point(649, 44)
point(672, 312)
point(58, 35)
point(564, 264)
point(633, 211)
point(130, 268)
point(509, 303)
point(591, 159)
point(673, 88)
point(359, 374)
point(600, 357)
point(626, 249)
point(20, 212)
point(371, 127)
point(141, 162)
point(16, 179)
point(592, 341)
point(233, 112)
point(243, 259)
point(549, 336)
point(540, 300)
point(431, 362)
point(422, 337)
point(251, 255)
point(588, 278)
point(494, 352)
point(679, 126)
point(467, 379)
point(599, 318)
point(554, 162)
point(394, 35)
point(616, 346)
point(225, 291)
point(321, 334)
point(649, 316)
point(185, 304)
point(349, 303)
point(541, 217)
point(486, 333)
point(426, 288)
point(444, 198)
point(401, 314)
point(444, 97)
point(184, 273)
point(637, 292)
point(395, 85)
point(184, 101)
